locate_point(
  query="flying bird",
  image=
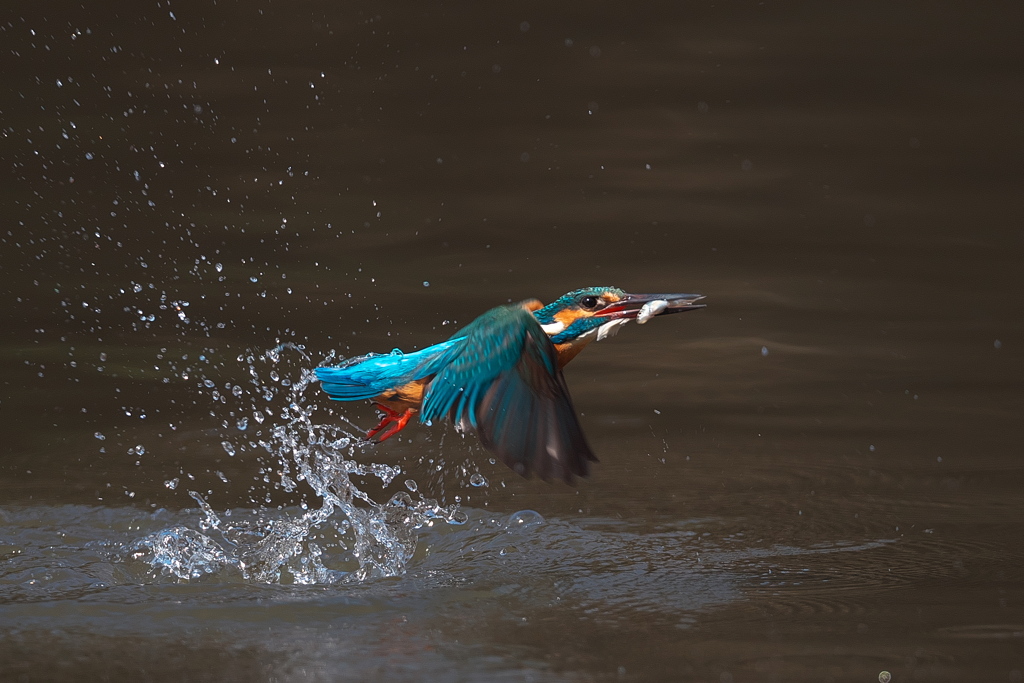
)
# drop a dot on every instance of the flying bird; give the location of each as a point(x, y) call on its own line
point(501, 376)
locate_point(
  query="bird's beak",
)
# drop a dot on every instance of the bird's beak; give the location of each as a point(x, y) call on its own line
point(643, 307)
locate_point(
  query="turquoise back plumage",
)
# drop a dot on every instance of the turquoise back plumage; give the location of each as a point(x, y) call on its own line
point(371, 375)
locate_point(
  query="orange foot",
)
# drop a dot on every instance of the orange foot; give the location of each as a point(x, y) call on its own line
point(391, 417)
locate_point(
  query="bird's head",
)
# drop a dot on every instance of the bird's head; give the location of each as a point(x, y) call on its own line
point(593, 313)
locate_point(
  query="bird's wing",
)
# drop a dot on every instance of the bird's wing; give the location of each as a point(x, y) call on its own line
point(502, 380)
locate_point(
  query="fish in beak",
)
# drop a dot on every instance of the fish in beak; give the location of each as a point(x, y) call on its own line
point(643, 307)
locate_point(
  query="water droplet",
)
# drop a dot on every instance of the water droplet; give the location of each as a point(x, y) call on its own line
point(411, 485)
point(764, 350)
point(99, 435)
point(172, 483)
point(228, 447)
point(884, 677)
point(478, 480)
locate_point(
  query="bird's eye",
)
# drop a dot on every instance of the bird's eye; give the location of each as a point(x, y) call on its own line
point(588, 301)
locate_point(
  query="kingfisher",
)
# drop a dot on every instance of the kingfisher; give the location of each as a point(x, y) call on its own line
point(501, 376)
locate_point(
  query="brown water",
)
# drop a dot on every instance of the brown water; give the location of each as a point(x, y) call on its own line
point(819, 477)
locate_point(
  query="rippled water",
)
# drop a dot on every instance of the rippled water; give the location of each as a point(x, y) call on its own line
point(819, 477)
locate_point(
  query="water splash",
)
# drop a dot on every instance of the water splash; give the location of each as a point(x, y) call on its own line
point(348, 536)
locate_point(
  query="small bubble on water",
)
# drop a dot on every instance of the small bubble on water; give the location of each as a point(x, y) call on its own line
point(524, 519)
point(764, 350)
point(478, 480)
point(884, 677)
point(426, 284)
point(871, 448)
point(411, 485)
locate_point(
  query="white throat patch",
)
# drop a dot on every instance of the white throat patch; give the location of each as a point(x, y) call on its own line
point(551, 329)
